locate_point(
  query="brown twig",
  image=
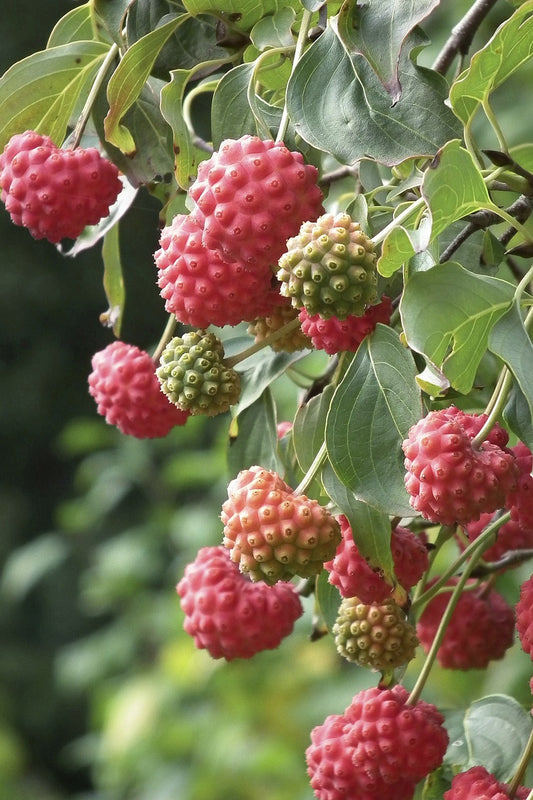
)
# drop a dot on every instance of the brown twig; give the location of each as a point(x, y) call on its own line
point(462, 35)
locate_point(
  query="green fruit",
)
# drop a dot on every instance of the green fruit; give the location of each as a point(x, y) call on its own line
point(193, 375)
point(330, 268)
point(375, 635)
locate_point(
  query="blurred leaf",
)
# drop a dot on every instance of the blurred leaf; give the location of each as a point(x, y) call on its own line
point(371, 412)
point(447, 314)
point(457, 755)
point(371, 529)
point(361, 28)
point(328, 599)
point(40, 92)
point(113, 280)
point(128, 80)
point(508, 49)
point(497, 729)
point(29, 564)
point(256, 437)
point(75, 26)
point(337, 104)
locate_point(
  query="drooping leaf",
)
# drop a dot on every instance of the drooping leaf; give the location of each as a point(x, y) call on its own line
point(497, 729)
point(113, 281)
point(371, 412)
point(517, 416)
point(447, 314)
point(510, 341)
point(308, 427)
point(509, 48)
point(255, 438)
point(129, 79)
point(172, 95)
point(40, 92)
point(378, 31)
point(371, 529)
point(75, 26)
point(259, 371)
point(337, 104)
point(231, 115)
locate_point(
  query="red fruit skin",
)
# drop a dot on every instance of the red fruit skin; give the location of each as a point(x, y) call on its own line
point(128, 394)
point(520, 501)
point(337, 335)
point(448, 479)
point(251, 196)
point(272, 533)
point(201, 288)
point(363, 752)
point(354, 577)
point(479, 784)
point(55, 193)
point(227, 614)
point(524, 616)
point(481, 628)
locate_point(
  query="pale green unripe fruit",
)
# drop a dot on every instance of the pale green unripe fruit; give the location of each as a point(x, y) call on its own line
point(330, 268)
point(375, 635)
point(193, 375)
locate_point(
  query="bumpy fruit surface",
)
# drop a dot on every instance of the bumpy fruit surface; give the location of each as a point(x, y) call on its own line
point(524, 616)
point(203, 289)
point(478, 783)
point(272, 533)
point(337, 335)
point(520, 500)
point(230, 616)
point(55, 193)
point(449, 479)
point(329, 268)
point(127, 393)
point(481, 628)
point(295, 339)
point(354, 577)
point(193, 375)
point(363, 752)
point(375, 635)
point(251, 196)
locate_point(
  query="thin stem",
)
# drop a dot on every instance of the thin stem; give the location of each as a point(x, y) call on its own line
point(443, 626)
point(95, 88)
point(397, 221)
point(313, 469)
point(495, 126)
point(463, 34)
point(496, 404)
point(481, 543)
point(165, 338)
point(300, 44)
point(521, 769)
point(266, 342)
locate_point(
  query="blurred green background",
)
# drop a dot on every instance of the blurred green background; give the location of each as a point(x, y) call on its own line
point(102, 695)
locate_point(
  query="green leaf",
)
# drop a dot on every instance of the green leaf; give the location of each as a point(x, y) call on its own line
point(509, 48)
point(378, 31)
point(29, 564)
point(113, 281)
point(510, 341)
point(457, 755)
point(75, 26)
point(371, 529)
point(240, 14)
point(517, 416)
point(274, 30)
point(110, 16)
point(328, 599)
point(453, 187)
point(259, 371)
point(128, 80)
point(447, 314)
point(40, 92)
point(371, 412)
point(231, 115)
point(401, 245)
point(308, 427)
point(255, 440)
point(337, 104)
point(497, 729)
point(172, 95)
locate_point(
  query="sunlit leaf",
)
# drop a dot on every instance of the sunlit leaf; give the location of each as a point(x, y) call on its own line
point(337, 104)
point(447, 314)
point(40, 92)
point(371, 412)
point(128, 80)
point(113, 280)
point(75, 26)
point(508, 49)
